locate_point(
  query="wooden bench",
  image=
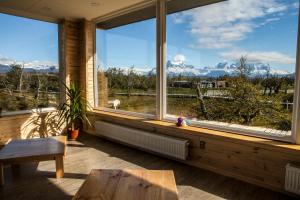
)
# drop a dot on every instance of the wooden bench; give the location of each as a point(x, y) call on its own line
point(32, 150)
point(128, 185)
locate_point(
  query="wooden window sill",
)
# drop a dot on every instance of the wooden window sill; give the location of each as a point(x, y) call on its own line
point(134, 121)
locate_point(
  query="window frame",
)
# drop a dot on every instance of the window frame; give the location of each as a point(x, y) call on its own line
point(161, 82)
point(61, 73)
point(113, 15)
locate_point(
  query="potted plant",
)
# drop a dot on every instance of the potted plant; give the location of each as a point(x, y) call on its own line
point(73, 112)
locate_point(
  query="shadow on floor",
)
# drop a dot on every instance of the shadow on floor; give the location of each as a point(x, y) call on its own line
point(192, 182)
point(39, 182)
point(29, 183)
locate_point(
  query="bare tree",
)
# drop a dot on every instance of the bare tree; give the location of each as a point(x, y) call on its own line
point(7, 87)
point(37, 95)
point(21, 79)
point(200, 98)
point(243, 69)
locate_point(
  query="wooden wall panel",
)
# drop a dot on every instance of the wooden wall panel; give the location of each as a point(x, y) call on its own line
point(28, 126)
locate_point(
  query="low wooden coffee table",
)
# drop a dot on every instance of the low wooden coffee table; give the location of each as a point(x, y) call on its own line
point(128, 184)
point(31, 150)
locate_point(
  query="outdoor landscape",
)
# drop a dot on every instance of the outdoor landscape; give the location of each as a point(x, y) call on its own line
point(28, 64)
point(243, 93)
point(28, 87)
point(231, 62)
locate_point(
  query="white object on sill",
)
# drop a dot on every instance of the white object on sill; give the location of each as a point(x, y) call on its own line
point(115, 103)
point(292, 178)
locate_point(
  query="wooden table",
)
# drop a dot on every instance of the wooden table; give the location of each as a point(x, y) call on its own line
point(128, 184)
point(31, 150)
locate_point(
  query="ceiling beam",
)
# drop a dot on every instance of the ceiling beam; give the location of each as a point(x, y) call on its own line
point(28, 14)
point(146, 10)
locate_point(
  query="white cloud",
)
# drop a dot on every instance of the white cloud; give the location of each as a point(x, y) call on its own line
point(178, 59)
point(6, 61)
point(272, 19)
point(222, 24)
point(178, 18)
point(296, 5)
point(259, 56)
point(269, 20)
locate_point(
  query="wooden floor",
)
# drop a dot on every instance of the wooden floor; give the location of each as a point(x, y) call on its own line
point(37, 181)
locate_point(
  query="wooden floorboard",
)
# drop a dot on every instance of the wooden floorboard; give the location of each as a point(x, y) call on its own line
point(37, 180)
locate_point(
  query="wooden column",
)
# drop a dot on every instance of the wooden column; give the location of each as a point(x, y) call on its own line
point(70, 38)
point(87, 60)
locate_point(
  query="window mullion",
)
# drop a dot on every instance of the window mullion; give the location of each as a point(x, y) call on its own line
point(296, 105)
point(160, 59)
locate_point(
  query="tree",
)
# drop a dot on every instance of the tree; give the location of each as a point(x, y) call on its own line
point(202, 105)
point(287, 81)
point(14, 77)
point(130, 78)
point(243, 70)
point(247, 100)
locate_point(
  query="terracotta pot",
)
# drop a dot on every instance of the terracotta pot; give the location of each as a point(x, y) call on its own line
point(73, 134)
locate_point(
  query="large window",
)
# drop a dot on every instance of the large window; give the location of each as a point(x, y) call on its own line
point(28, 64)
point(126, 67)
point(232, 65)
point(229, 65)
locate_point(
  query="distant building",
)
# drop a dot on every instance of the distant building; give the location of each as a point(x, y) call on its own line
point(203, 84)
point(181, 84)
point(221, 84)
point(207, 84)
point(213, 84)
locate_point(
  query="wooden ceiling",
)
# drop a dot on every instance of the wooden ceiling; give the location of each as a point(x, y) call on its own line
point(53, 10)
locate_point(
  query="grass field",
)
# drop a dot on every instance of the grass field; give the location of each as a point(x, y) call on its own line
point(27, 101)
point(189, 107)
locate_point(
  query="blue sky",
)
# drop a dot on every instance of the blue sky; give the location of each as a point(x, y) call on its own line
point(263, 31)
point(27, 40)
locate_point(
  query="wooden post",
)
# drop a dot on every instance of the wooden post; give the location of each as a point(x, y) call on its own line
point(59, 162)
point(1, 174)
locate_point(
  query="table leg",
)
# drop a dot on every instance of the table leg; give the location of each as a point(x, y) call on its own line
point(59, 161)
point(1, 174)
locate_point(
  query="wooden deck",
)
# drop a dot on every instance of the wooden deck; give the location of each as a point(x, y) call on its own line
point(37, 181)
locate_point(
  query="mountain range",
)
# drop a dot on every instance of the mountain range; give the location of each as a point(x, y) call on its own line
point(221, 69)
point(177, 69)
point(31, 69)
point(29, 66)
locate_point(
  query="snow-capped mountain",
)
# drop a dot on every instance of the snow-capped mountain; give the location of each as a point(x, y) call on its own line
point(221, 69)
point(42, 69)
point(31, 66)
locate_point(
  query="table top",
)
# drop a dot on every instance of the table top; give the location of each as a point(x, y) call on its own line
point(129, 184)
point(51, 146)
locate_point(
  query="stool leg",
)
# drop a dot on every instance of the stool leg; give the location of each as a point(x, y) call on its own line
point(59, 161)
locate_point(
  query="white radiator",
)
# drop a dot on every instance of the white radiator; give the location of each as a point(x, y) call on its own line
point(292, 178)
point(169, 146)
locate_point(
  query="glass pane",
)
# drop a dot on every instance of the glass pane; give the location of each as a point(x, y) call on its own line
point(29, 73)
point(233, 64)
point(126, 66)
